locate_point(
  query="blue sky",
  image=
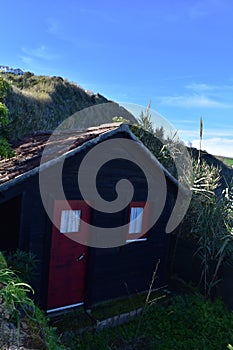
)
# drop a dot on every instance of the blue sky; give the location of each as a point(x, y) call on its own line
point(178, 54)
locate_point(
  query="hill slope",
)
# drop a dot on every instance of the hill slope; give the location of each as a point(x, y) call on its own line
point(226, 172)
point(42, 102)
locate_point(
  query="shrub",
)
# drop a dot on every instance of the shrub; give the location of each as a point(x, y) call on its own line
point(23, 263)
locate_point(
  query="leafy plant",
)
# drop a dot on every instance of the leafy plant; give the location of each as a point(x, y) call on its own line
point(13, 296)
point(24, 263)
point(17, 308)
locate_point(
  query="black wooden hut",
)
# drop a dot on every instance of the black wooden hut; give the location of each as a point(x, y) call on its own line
point(70, 273)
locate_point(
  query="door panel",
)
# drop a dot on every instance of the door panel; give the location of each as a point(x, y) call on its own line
point(68, 259)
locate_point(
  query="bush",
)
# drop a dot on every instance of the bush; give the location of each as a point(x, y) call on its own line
point(23, 263)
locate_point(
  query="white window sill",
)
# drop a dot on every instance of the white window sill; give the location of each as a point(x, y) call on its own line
point(136, 240)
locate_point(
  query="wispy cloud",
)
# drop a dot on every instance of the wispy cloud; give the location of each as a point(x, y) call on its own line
point(36, 59)
point(200, 87)
point(41, 52)
point(217, 142)
point(189, 134)
point(31, 64)
point(27, 60)
point(185, 121)
point(193, 101)
point(201, 95)
point(208, 88)
point(217, 146)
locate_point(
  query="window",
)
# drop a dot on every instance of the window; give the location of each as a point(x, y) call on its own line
point(137, 219)
point(135, 223)
point(70, 221)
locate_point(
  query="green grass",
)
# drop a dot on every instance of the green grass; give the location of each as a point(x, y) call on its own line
point(78, 318)
point(42, 102)
point(226, 160)
point(185, 322)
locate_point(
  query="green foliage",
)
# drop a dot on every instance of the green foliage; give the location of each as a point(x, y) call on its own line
point(42, 333)
point(6, 276)
point(14, 300)
point(145, 121)
point(3, 263)
point(165, 150)
point(185, 322)
point(5, 149)
point(18, 308)
point(78, 317)
point(42, 103)
point(226, 160)
point(209, 223)
point(3, 116)
point(23, 263)
point(120, 120)
point(4, 89)
point(14, 293)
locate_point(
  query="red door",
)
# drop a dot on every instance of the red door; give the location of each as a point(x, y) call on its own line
point(68, 258)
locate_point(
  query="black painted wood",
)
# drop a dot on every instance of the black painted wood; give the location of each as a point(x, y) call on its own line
point(112, 272)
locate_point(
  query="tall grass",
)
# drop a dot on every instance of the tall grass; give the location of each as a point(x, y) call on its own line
point(209, 223)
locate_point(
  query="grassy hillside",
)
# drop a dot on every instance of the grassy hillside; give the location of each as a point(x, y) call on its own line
point(226, 171)
point(42, 102)
point(226, 160)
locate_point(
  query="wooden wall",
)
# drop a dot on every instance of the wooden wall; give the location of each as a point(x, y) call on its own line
point(112, 272)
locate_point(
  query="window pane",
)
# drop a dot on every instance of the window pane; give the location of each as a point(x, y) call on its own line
point(135, 225)
point(70, 221)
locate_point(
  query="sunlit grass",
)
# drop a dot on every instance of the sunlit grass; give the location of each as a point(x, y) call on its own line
point(226, 160)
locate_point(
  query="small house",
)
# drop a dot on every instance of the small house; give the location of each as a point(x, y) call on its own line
point(58, 226)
